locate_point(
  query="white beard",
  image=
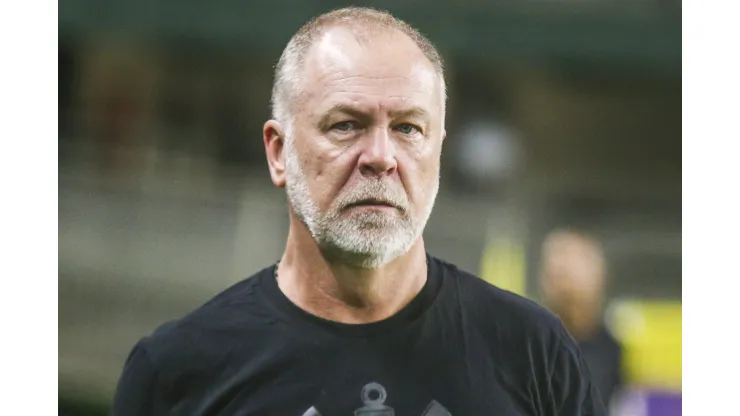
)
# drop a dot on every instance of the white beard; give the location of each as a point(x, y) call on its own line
point(360, 239)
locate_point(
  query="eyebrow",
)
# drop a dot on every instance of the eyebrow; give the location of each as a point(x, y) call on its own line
point(343, 109)
point(413, 112)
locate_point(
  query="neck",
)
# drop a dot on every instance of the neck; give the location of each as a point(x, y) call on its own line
point(582, 323)
point(343, 293)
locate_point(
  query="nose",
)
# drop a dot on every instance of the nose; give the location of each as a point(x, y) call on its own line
point(378, 157)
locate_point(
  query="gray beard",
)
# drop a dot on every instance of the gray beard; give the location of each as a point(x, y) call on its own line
point(359, 239)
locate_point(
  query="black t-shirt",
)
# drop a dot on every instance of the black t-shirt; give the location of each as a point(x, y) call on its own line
point(462, 347)
point(603, 355)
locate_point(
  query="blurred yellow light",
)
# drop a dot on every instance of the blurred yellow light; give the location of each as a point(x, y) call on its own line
point(650, 332)
point(503, 266)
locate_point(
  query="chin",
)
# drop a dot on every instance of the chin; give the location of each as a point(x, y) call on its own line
point(365, 260)
point(368, 250)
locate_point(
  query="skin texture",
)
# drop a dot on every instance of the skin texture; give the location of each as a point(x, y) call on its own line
point(367, 127)
point(572, 280)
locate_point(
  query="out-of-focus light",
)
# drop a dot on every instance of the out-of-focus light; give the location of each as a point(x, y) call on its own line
point(488, 150)
point(650, 332)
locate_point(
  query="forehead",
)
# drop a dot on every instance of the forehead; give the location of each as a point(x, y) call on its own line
point(386, 69)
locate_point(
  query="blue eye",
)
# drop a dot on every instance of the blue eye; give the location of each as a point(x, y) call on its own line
point(406, 129)
point(344, 126)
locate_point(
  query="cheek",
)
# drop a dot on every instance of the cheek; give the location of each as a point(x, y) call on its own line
point(324, 174)
point(425, 171)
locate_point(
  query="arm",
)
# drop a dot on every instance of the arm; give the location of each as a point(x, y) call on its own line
point(137, 393)
point(571, 390)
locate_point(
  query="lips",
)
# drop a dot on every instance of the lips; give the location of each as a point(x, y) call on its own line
point(371, 203)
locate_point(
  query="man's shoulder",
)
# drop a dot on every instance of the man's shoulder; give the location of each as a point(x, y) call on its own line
point(526, 339)
point(490, 306)
point(232, 315)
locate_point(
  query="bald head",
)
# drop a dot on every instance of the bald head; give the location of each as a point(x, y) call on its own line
point(328, 32)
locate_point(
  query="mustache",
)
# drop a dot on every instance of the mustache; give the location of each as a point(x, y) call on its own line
point(374, 190)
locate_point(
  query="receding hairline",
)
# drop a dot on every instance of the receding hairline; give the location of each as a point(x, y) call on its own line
point(364, 23)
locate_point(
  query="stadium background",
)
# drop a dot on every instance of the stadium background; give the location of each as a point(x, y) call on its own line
point(561, 112)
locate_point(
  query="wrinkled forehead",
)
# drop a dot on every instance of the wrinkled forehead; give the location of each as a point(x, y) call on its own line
point(387, 67)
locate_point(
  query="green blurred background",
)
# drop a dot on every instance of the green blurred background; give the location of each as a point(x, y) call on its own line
point(561, 113)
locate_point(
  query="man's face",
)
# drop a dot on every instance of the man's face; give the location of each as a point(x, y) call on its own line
point(362, 165)
point(572, 275)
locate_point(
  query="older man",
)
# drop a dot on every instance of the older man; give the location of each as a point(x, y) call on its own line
point(356, 318)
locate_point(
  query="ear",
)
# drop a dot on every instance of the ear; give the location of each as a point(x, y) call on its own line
point(444, 134)
point(274, 137)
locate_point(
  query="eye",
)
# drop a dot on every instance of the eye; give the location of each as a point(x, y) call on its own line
point(407, 129)
point(344, 126)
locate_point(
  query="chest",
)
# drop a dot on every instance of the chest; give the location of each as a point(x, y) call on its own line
point(429, 376)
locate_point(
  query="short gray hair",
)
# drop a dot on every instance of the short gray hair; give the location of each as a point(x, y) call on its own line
point(360, 20)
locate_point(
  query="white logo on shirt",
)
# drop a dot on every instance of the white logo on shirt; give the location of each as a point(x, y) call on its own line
point(373, 397)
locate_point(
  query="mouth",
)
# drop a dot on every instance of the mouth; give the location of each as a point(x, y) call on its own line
point(371, 203)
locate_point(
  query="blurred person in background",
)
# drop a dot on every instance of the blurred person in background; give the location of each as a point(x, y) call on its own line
point(357, 316)
point(117, 98)
point(572, 284)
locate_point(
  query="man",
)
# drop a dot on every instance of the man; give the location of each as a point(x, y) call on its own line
point(356, 318)
point(572, 282)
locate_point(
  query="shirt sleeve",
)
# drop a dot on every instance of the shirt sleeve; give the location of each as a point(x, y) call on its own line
point(571, 390)
point(137, 392)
